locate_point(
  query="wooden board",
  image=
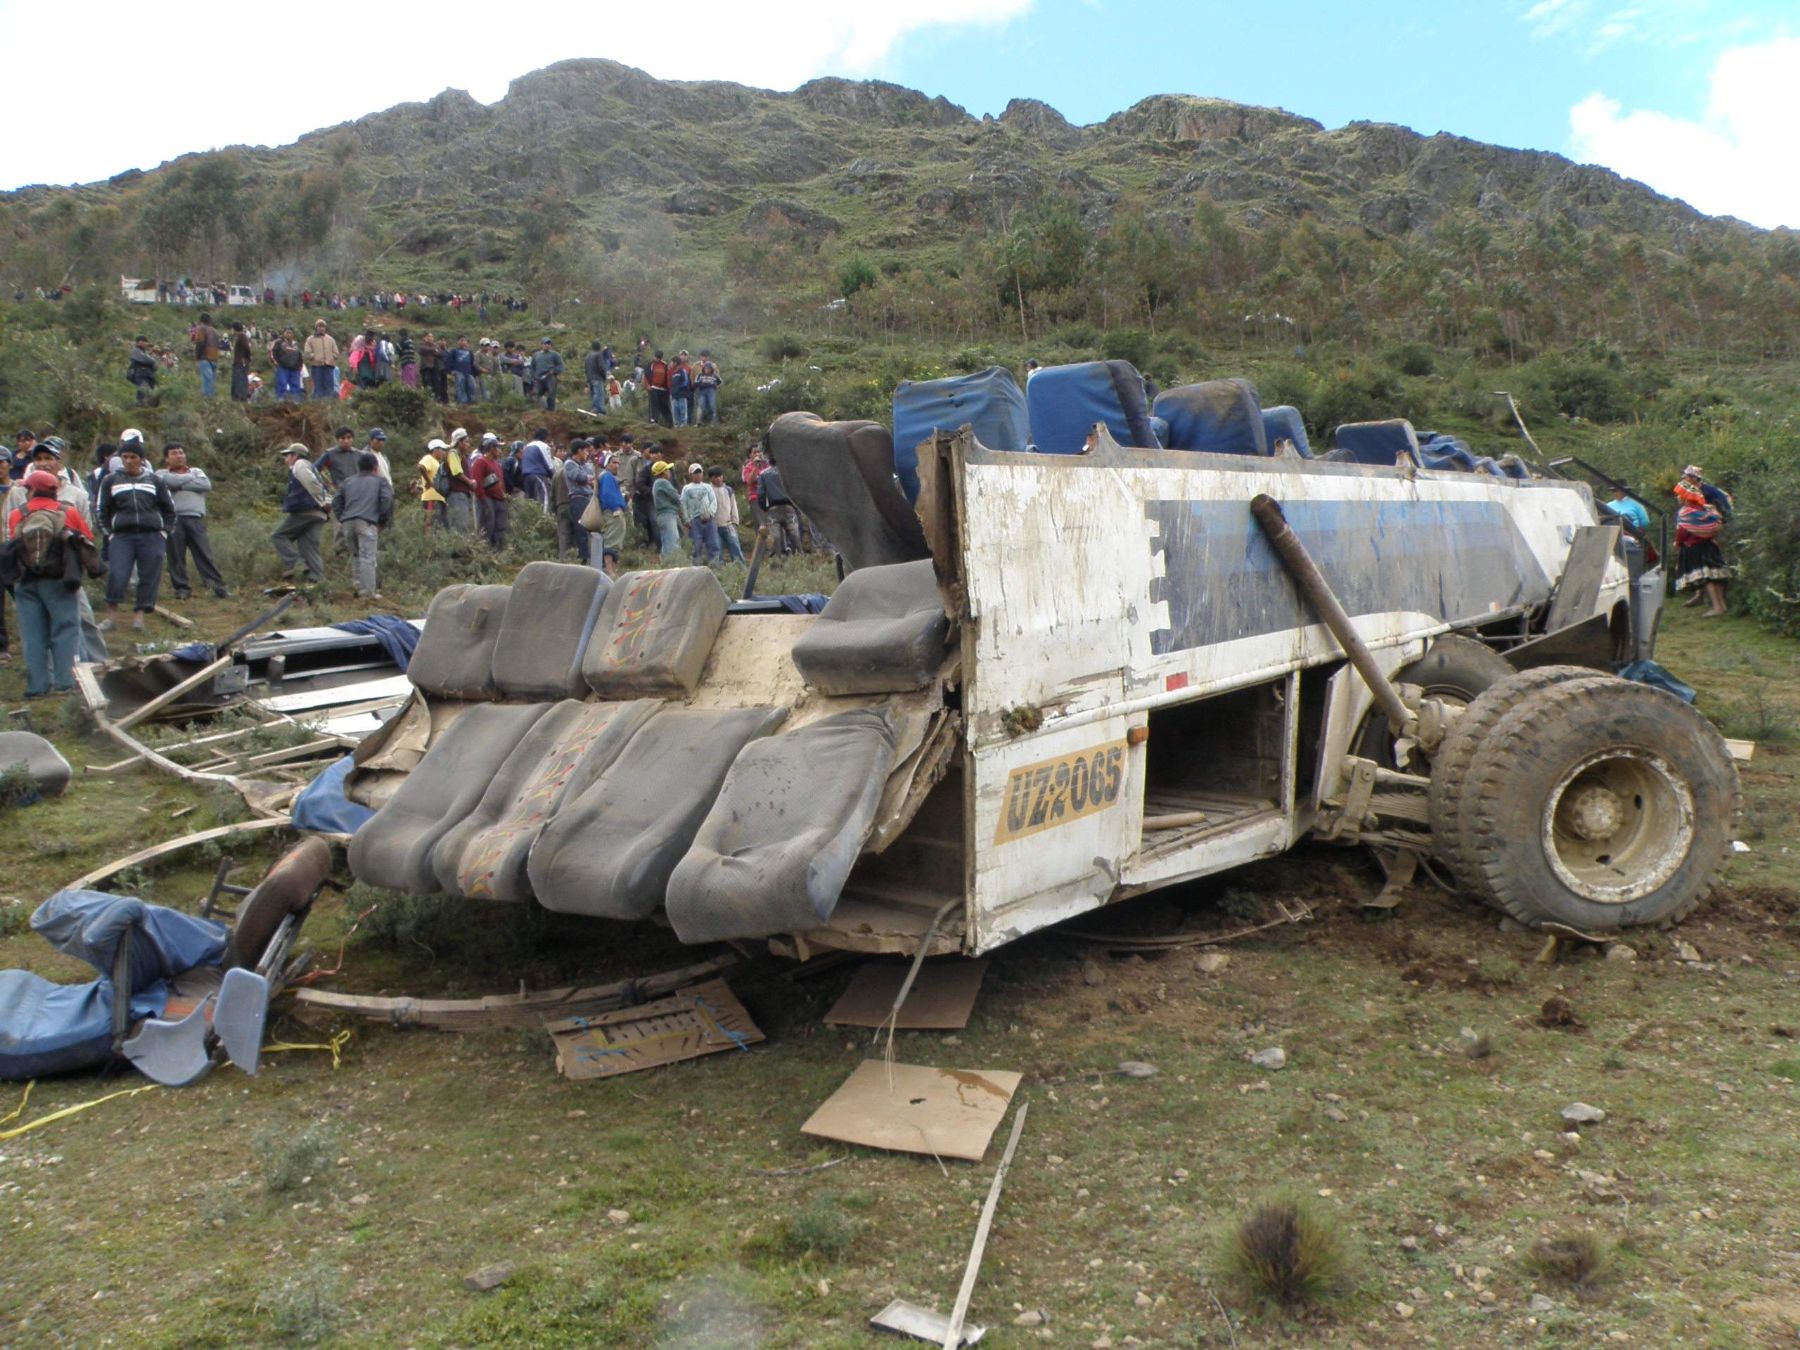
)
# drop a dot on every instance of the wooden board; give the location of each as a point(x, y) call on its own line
point(703, 1020)
point(947, 1113)
point(941, 999)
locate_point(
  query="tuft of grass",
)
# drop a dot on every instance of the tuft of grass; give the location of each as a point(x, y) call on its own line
point(16, 787)
point(304, 1307)
point(1576, 1258)
point(824, 1228)
point(1758, 717)
point(1290, 1252)
point(290, 1158)
point(15, 916)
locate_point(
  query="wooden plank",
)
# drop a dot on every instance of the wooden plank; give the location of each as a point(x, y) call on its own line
point(391, 688)
point(509, 1010)
point(953, 1333)
point(168, 696)
point(168, 846)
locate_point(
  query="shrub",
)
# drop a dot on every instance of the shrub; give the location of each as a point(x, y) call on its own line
point(1127, 344)
point(824, 1229)
point(1578, 1259)
point(783, 347)
point(1289, 1252)
point(292, 1157)
point(305, 1306)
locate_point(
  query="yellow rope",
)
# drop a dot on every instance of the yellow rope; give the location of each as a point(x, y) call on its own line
point(334, 1046)
point(66, 1112)
point(19, 1110)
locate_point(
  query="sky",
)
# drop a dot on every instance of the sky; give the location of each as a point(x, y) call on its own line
point(1700, 99)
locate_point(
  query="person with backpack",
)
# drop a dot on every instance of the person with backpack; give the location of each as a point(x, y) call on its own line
point(305, 504)
point(287, 357)
point(537, 467)
point(49, 537)
point(706, 390)
point(136, 515)
point(681, 389)
point(188, 488)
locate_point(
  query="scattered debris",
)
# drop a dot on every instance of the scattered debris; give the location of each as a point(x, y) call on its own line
point(924, 1324)
point(947, 1113)
point(703, 1020)
point(941, 998)
point(490, 1278)
point(1619, 951)
point(1137, 1068)
point(91, 880)
point(509, 1010)
point(1031, 1317)
point(1211, 963)
point(1580, 1113)
point(1272, 1058)
point(1687, 952)
point(1559, 1013)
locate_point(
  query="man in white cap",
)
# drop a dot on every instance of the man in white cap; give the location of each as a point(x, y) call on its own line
point(461, 497)
point(306, 505)
point(425, 484)
point(700, 509)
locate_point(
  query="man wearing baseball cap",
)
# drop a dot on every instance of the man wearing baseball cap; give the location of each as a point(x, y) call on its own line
point(306, 504)
point(377, 447)
point(665, 498)
point(699, 509)
point(425, 484)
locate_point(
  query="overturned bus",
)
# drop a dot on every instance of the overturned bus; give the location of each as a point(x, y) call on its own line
point(1056, 681)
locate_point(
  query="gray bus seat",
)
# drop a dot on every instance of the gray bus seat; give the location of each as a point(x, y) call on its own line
point(654, 634)
point(455, 655)
point(841, 476)
point(546, 628)
point(394, 848)
point(773, 853)
point(608, 853)
point(884, 631)
point(483, 855)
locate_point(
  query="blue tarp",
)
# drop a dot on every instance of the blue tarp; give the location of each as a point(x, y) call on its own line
point(1066, 401)
point(1283, 423)
point(397, 637)
point(990, 401)
point(323, 807)
point(1222, 417)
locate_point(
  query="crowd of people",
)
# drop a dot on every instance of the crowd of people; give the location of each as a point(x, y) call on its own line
point(681, 391)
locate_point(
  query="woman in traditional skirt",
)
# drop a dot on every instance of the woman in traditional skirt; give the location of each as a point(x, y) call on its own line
point(1700, 562)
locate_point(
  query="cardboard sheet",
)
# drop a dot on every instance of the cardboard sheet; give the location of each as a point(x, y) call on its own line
point(941, 999)
point(950, 1113)
point(702, 1020)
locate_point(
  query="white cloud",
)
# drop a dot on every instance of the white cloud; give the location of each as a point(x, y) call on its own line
point(1736, 159)
point(1596, 25)
point(272, 72)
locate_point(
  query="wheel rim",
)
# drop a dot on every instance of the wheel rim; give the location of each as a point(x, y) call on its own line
point(1618, 825)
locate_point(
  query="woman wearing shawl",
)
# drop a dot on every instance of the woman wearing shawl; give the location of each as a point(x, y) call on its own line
point(1700, 562)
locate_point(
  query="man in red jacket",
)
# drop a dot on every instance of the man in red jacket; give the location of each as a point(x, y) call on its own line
point(657, 381)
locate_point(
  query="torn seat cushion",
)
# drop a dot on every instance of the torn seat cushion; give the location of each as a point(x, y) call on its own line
point(654, 634)
point(609, 851)
point(44, 765)
point(484, 855)
point(90, 925)
point(1066, 401)
point(455, 655)
point(883, 632)
point(788, 825)
point(393, 850)
point(1284, 423)
point(549, 618)
point(841, 476)
point(288, 888)
point(48, 1028)
point(1221, 417)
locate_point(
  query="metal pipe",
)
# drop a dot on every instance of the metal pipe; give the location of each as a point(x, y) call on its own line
point(1318, 593)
